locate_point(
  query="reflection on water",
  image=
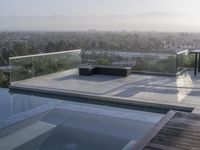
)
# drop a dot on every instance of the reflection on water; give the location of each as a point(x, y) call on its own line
point(184, 85)
point(72, 125)
point(11, 104)
point(66, 129)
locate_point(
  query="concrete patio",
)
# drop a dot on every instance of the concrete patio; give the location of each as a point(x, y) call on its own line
point(182, 90)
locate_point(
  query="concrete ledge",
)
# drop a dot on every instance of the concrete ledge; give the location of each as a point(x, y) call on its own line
point(105, 100)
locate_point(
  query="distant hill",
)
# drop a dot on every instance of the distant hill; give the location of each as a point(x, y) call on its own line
point(150, 21)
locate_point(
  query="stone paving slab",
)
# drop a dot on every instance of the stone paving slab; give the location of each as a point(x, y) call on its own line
point(182, 90)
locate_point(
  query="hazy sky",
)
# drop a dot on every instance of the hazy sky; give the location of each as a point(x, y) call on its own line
point(95, 7)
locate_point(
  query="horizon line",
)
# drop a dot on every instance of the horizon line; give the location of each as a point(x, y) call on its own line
point(106, 15)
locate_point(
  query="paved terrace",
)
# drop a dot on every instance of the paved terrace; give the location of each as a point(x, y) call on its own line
point(183, 90)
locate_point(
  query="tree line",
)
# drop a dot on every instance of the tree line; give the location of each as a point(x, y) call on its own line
point(25, 43)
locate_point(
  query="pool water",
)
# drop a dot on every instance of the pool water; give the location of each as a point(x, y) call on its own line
point(76, 126)
point(70, 125)
point(12, 104)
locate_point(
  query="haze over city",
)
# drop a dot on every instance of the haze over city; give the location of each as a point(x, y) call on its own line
point(114, 15)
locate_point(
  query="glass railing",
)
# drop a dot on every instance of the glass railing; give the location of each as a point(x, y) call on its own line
point(156, 63)
point(25, 67)
point(183, 60)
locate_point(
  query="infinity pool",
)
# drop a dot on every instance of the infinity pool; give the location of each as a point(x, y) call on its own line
point(76, 126)
point(69, 125)
point(12, 104)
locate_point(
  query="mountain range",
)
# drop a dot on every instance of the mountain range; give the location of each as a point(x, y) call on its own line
point(149, 21)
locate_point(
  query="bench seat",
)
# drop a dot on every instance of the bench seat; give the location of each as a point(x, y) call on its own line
point(105, 70)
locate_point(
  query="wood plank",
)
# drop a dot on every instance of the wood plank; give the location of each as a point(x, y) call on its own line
point(178, 141)
point(160, 147)
point(140, 145)
point(186, 116)
point(183, 130)
point(175, 132)
point(180, 132)
point(187, 121)
point(183, 127)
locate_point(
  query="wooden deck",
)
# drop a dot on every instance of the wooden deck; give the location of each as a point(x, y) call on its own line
point(176, 131)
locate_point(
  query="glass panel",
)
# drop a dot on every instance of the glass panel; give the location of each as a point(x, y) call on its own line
point(59, 62)
point(183, 60)
point(66, 62)
point(73, 60)
point(42, 65)
point(156, 63)
point(21, 69)
point(140, 62)
point(30, 66)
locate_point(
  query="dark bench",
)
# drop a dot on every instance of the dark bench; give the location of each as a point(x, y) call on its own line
point(105, 70)
point(86, 70)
